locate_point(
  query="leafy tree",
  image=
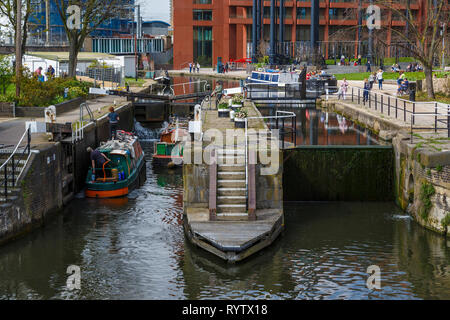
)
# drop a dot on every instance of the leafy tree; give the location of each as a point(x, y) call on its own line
point(6, 74)
point(93, 14)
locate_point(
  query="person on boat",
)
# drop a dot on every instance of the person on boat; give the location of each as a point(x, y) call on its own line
point(218, 92)
point(113, 118)
point(98, 159)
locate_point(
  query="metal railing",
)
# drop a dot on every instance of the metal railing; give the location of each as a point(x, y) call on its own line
point(184, 84)
point(434, 115)
point(78, 127)
point(12, 164)
point(280, 115)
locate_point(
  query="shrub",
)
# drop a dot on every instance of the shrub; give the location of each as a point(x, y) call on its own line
point(223, 105)
point(43, 94)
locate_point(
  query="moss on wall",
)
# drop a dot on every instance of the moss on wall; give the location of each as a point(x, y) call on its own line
point(338, 173)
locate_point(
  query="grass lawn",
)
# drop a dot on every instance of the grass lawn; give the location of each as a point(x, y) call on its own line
point(422, 96)
point(412, 76)
point(133, 83)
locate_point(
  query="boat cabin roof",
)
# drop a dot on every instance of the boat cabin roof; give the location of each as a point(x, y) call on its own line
point(119, 152)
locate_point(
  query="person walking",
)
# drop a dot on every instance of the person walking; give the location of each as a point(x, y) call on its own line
point(371, 80)
point(190, 67)
point(369, 66)
point(198, 67)
point(380, 79)
point(343, 89)
point(366, 90)
point(113, 118)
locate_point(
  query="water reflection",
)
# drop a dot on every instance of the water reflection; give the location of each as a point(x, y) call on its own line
point(137, 250)
point(316, 127)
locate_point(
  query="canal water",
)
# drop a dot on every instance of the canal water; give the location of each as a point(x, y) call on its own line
point(135, 248)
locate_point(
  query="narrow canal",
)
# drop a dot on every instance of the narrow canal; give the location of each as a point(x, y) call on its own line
point(135, 248)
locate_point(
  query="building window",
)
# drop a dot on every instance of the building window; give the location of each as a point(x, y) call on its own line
point(204, 15)
point(203, 45)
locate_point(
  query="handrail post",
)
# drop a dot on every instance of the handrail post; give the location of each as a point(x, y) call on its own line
point(414, 112)
point(404, 110)
point(282, 137)
point(396, 107)
point(13, 171)
point(376, 102)
point(29, 140)
point(6, 182)
point(435, 117)
point(389, 105)
point(381, 104)
point(252, 186)
point(448, 125)
point(213, 187)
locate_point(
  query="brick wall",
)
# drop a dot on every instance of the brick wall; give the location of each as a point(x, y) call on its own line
point(6, 109)
point(34, 203)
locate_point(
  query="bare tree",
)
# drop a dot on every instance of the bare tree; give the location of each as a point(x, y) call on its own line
point(423, 37)
point(93, 14)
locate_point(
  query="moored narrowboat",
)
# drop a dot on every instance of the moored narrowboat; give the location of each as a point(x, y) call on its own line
point(169, 149)
point(123, 173)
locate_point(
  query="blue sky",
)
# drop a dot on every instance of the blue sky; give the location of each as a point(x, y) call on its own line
point(155, 9)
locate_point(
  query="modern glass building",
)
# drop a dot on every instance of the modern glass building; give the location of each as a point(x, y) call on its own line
point(56, 35)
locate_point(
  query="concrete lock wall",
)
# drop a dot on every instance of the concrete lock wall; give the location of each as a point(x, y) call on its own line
point(339, 173)
point(34, 203)
point(422, 184)
point(94, 134)
point(269, 187)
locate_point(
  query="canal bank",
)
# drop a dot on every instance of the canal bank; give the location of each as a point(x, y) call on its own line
point(52, 175)
point(422, 161)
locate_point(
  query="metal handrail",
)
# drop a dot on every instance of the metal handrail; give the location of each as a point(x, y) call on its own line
point(392, 102)
point(288, 114)
point(10, 159)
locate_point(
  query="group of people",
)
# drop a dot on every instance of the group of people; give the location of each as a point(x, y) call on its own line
point(50, 73)
point(193, 67)
point(368, 83)
point(225, 68)
point(414, 67)
point(402, 84)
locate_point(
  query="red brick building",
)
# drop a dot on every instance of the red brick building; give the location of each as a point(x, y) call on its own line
point(207, 29)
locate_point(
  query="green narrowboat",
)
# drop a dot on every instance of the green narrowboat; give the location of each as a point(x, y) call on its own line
point(123, 173)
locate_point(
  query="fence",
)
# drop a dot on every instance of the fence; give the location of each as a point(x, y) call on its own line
point(433, 116)
point(115, 76)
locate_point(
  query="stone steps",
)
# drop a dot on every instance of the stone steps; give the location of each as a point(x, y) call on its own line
point(231, 184)
point(231, 175)
point(230, 191)
point(231, 168)
point(243, 216)
point(231, 199)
